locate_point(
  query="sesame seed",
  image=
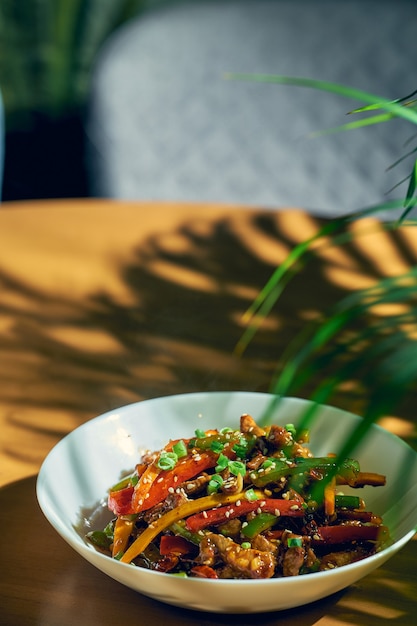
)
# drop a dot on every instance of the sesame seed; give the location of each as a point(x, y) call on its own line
point(160, 480)
point(140, 502)
point(317, 537)
point(171, 490)
point(238, 502)
point(190, 486)
point(147, 496)
point(294, 507)
point(175, 479)
point(205, 514)
point(227, 514)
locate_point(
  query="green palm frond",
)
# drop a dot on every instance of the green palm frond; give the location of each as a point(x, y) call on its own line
point(353, 343)
point(405, 108)
point(333, 233)
point(394, 107)
point(410, 198)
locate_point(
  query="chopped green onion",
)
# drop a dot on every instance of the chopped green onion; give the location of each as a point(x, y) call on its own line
point(294, 542)
point(167, 460)
point(180, 449)
point(237, 467)
point(250, 495)
point(214, 484)
point(199, 433)
point(226, 430)
point(291, 429)
point(245, 545)
point(268, 463)
point(241, 450)
point(222, 463)
point(216, 446)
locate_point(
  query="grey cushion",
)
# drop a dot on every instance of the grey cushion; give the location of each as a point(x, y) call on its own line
point(165, 124)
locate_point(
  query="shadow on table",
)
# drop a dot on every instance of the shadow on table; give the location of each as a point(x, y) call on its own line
point(66, 360)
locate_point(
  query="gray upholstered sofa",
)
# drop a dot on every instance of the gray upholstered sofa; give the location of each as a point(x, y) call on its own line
point(164, 123)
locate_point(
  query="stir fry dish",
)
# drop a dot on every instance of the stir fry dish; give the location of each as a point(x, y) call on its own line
point(243, 504)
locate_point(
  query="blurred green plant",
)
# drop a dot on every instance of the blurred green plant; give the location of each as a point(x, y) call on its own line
point(48, 48)
point(48, 51)
point(380, 351)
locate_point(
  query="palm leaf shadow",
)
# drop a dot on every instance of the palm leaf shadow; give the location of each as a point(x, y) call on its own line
point(176, 334)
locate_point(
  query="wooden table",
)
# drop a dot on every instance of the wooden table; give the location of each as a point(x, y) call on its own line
point(103, 303)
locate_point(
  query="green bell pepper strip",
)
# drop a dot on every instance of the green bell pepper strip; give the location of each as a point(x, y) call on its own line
point(259, 524)
point(295, 542)
point(300, 465)
point(100, 540)
point(347, 502)
point(178, 528)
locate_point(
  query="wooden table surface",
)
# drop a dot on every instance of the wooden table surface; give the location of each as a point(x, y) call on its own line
point(103, 303)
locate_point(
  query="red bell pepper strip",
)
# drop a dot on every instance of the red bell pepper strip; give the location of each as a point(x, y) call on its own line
point(204, 571)
point(346, 533)
point(120, 502)
point(187, 468)
point(154, 484)
point(288, 508)
point(173, 544)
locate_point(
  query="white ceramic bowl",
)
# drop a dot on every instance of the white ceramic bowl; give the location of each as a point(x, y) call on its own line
point(78, 471)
